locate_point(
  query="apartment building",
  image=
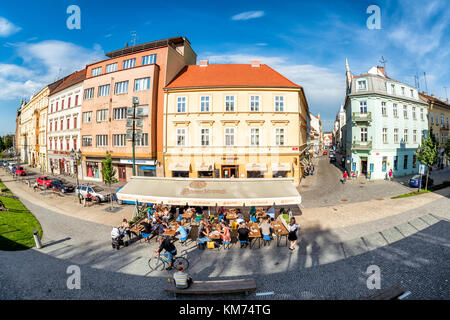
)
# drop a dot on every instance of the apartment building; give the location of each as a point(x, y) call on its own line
point(234, 121)
point(64, 123)
point(140, 71)
point(385, 123)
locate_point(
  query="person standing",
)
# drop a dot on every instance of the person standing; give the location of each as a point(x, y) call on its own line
point(292, 237)
point(345, 176)
point(390, 174)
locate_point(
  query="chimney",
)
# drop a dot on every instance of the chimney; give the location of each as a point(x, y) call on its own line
point(203, 63)
point(381, 69)
point(256, 63)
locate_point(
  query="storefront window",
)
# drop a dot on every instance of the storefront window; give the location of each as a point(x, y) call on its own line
point(280, 174)
point(255, 174)
point(205, 174)
point(180, 174)
point(147, 171)
point(384, 163)
point(92, 169)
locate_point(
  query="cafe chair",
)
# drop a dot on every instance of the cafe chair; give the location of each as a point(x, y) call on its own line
point(253, 219)
point(267, 239)
point(225, 245)
point(244, 243)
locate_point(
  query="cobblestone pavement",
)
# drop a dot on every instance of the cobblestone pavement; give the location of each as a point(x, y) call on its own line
point(412, 249)
point(325, 187)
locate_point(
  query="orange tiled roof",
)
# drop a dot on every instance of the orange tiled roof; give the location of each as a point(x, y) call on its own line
point(234, 75)
point(70, 80)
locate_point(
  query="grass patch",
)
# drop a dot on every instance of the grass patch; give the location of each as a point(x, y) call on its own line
point(17, 225)
point(411, 194)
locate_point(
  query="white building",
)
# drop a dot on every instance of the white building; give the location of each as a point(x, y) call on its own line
point(316, 133)
point(64, 123)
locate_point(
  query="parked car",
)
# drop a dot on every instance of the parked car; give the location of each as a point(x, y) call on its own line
point(414, 181)
point(20, 171)
point(332, 158)
point(62, 186)
point(93, 191)
point(44, 181)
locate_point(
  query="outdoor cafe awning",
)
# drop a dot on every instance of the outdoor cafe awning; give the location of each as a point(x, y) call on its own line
point(179, 166)
point(211, 192)
point(255, 167)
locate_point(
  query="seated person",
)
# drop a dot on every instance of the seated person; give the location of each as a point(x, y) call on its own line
point(168, 246)
point(147, 229)
point(125, 229)
point(181, 279)
point(271, 212)
point(243, 232)
point(266, 229)
point(182, 233)
point(202, 232)
point(225, 234)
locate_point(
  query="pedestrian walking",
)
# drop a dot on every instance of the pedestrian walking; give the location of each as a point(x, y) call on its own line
point(292, 237)
point(345, 176)
point(390, 174)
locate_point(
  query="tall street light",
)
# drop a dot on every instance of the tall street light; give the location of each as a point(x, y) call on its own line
point(134, 133)
point(76, 155)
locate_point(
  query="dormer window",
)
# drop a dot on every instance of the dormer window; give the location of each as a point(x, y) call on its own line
point(362, 85)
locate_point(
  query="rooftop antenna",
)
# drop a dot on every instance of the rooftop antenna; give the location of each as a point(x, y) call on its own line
point(59, 74)
point(133, 36)
point(416, 81)
point(425, 77)
point(383, 61)
point(446, 96)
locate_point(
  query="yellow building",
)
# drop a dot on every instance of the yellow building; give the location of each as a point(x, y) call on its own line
point(234, 120)
point(32, 131)
point(438, 121)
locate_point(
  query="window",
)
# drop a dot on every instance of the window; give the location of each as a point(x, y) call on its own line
point(103, 90)
point(62, 123)
point(62, 104)
point(403, 91)
point(102, 115)
point(431, 117)
point(88, 94)
point(51, 108)
point(442, 120)
point(414, 113)
point(61, 146)
point(395, 162)
point(121, 87)
point(120, 113)
point(279, 103)
point(405, 136)
point(436, 117)
point(74, 144)
point(181, 104)
point(87, 141)
point(229, 103)
point(421, 114)
point(149, 59)
point(75, 122)
point(102, 140)
point(414, 136)
point(405, 162)
point(362, 85)
point(229, 136)
point(143, 141)
point(383, 109)
point(119, 140)
point(142, 84)
point(405, 112)
point(279, 136)
point(51, 125)
point(111, 67)
point(92, 170)
point(130, 63)
point(68, 123)
point(363, 107)
point(204, 104)
point(68, 102)
point(96, 71)
point(87, 117)
point(181, 137)
point(363, 134)
point(56, 109)
point(412, 93)
point(384, 164)
point(205, 137)
point(393, 88)
point(254, 103)
point(76, 100)
point(254, 136)
point(395, 110)
point(385, 135)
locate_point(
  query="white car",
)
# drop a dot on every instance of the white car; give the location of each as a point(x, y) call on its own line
point(92, 190)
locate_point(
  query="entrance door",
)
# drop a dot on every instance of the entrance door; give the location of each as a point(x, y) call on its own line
point(122, 172)
point(230, 172)
point(364, 166)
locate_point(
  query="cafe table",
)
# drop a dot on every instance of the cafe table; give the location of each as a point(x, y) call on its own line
point(171, 230)
point(280, 230)
point(254, 235)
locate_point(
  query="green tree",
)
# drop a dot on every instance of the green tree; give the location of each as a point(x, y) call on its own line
point(447, 148)
point(8, 141)
point(108, 172)
point(427, 153)
point(2, 145)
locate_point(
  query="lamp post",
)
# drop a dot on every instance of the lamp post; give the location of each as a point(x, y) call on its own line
point(76, 155)
point(133, 118)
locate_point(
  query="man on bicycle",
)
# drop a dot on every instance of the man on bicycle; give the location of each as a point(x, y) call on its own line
point(171, 251)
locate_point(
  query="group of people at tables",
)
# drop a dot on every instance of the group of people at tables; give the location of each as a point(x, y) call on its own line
point(213, 229)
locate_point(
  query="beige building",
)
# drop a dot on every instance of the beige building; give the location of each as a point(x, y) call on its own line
point(234, 120)
point(32, 132)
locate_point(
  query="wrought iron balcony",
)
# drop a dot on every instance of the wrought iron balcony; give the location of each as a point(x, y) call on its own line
point(362, 145)
point(361, 117)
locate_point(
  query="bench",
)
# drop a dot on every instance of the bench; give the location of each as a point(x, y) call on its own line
point(390, 293)
point(215, 287)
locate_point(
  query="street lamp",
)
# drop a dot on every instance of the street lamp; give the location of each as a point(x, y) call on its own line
point(76, 155)
point(132, 123)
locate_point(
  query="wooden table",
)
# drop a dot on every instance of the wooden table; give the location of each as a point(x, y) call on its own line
point(231, 216)
point(171, 230)
point(187, 215)
point(255, 234)
point(280, 230)
point(215, 227)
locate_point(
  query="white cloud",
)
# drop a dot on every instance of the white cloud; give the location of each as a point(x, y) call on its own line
point(43, 63)
point(248, 15)
point(7, 28)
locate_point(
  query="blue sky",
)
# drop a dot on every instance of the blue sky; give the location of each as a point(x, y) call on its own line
point(307, 41)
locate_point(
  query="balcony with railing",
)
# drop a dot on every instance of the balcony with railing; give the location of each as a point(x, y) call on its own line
point(362, 145)
point(361, 117)
point(444, 127)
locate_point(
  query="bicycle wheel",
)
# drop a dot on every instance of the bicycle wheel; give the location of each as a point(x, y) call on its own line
point(156, 264)
point(180, 260)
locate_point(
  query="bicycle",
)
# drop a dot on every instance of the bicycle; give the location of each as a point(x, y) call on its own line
point(161, 262)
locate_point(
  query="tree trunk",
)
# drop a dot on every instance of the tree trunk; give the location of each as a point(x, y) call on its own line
point(426, 182)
